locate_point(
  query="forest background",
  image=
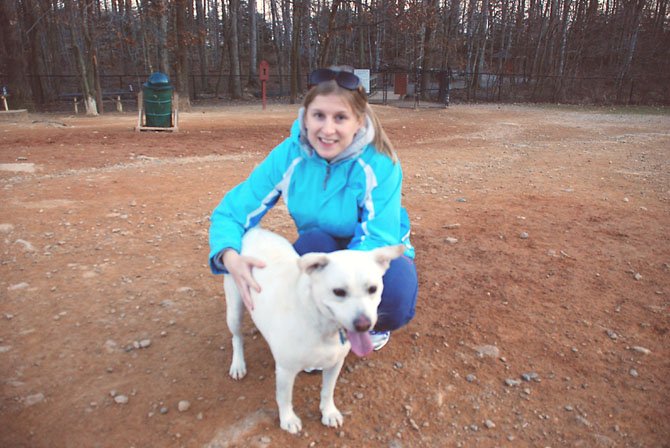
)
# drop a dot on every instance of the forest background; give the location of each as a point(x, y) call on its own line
point(574, 51)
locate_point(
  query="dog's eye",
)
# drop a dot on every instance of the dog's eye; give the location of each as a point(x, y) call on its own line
point(339, 292)
point(372, 289)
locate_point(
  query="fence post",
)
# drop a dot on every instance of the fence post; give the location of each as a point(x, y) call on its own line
point(448, 88)
point(501, 80)
point(417, 83)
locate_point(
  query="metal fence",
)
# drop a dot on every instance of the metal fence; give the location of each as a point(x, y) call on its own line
point(419, 88)
point(441, 87)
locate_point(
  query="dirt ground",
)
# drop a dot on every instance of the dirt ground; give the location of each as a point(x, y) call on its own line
point(544, 264)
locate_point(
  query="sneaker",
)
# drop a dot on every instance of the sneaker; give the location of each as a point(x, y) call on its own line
point(379, 339)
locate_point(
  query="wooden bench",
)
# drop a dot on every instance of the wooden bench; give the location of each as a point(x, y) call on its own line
point(115, 95)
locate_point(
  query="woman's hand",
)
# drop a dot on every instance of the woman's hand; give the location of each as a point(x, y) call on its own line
point(240, 266)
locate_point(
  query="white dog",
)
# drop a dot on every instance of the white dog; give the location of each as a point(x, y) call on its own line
point(311, 311)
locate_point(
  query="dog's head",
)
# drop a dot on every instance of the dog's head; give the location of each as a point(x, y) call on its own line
point(347, 285)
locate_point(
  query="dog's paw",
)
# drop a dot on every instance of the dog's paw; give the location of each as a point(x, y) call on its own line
point(291, 423)
point(332, 418)
point(237, 371)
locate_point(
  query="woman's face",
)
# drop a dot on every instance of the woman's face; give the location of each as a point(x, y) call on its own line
point(331, 125)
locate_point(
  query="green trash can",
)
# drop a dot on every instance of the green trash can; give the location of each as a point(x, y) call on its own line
point(157, 93)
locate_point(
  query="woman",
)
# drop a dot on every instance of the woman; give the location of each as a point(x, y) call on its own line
point(341, 180)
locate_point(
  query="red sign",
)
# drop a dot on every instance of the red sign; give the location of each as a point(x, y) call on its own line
point(264, 71)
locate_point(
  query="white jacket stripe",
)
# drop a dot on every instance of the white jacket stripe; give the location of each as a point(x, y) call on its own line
point(368, 203)
point(282, 186)
point(268, 201)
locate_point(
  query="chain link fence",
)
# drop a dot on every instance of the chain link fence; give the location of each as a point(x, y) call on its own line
point(428, 88)
point(443, 88)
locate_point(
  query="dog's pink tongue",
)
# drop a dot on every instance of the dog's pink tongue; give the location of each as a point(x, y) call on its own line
point(360, 342)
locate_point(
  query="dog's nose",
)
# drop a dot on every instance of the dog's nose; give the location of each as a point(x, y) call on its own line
point(362, 323)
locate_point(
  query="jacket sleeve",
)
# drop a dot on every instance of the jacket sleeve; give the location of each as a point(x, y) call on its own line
point(243, 207)
point(380, 215)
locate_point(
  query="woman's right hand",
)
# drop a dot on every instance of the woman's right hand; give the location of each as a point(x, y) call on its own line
point(239, 267)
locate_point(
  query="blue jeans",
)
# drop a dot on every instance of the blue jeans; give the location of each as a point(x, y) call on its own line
point(400, 281)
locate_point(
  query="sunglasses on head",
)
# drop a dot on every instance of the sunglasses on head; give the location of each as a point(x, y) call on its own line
point(346, 80)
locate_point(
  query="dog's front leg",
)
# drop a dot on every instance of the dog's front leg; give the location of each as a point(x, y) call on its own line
point(288, 420)
point(330, 415)
point(238, 368)
point(234, 310)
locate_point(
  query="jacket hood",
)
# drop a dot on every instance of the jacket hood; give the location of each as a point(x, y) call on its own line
point(363, 137)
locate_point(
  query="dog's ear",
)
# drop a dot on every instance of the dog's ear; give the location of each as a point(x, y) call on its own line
point(311, 262)
point(384, 255)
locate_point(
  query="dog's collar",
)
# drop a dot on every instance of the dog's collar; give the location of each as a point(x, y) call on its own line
point(343, 336)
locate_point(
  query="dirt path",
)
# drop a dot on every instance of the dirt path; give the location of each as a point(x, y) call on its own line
point(544, 266)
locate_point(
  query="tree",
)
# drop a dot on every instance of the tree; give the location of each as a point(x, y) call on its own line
point(234, 50)
point(81, 43)
point(182, 67)
point(253, 45)
point(51, 47)
point(14, 60)
point(298, 6)
point(161, 13)
point(632, 15)
point(324, 53)
point(278, 33)
point(33, 32)
point(199, 29)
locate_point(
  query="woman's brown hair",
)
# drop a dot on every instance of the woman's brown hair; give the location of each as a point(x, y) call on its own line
point(358, 101)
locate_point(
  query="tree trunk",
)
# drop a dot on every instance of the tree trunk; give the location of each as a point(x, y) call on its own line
point(536, 64)
point(253, 45)
point(14, 61)
point(483, 39)
point(295, 50)
point(34, 33)
point(200, 31)
point(222, 47)
point(278, 42)
point(85, 71)
point(162, 15)
point(562, 51)
point(287, 22)
point(633, 14)
point(425, 41)
point(471, 55)
point(379, 36)
point(324, 51)
point(660, 18)
point(88, 94)
point(305, 41)
point(91, 52)
point(142, 30)
point(182, 67)
point(452, 32)
point(360, 41)
point(234, 51)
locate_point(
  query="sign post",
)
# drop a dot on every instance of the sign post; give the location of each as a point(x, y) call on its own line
point(364, 75)
point(264, 75)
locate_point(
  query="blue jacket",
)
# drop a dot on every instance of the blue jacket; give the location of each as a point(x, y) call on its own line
point(357, 195)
